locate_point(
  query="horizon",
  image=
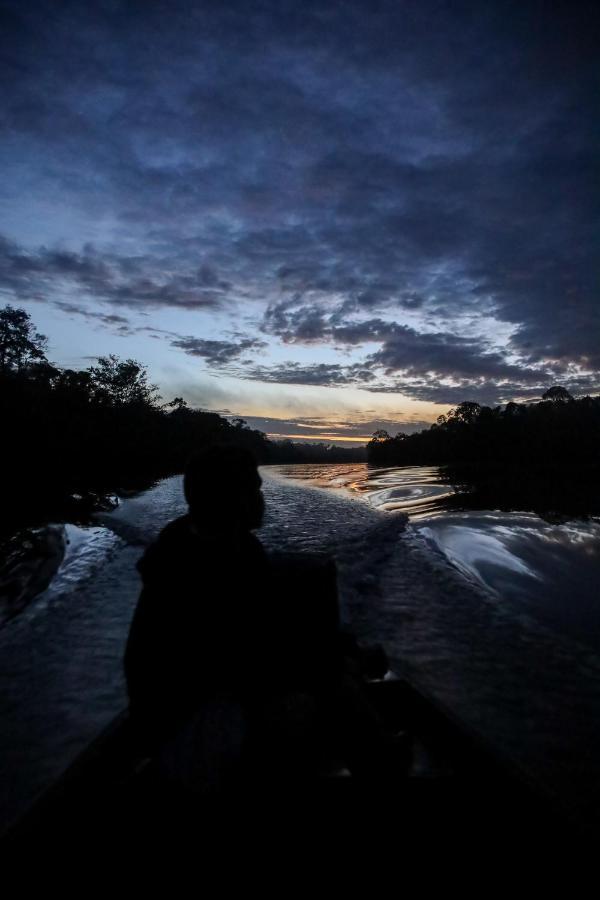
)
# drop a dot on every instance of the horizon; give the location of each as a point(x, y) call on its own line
point(331, 220)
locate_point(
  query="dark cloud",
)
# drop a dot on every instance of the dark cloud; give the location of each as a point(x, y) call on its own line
point(325, 374)
point(114, 322)
point(217, 353)
point(363, 426)
point(484, 391)
point(107, 278)
point(441, 353)
point(403, 349)
point(304, 324)
point(332, 162)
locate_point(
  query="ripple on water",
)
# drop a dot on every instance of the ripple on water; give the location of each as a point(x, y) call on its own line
point(549, 570)
point(414, 490)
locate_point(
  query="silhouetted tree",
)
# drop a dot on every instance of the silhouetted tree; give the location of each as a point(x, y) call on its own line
point(466, 412)
point(20, 343)
point(43, 372)
point(557, 394)
point(76, 385)
point(119, 382)
point(176, 403)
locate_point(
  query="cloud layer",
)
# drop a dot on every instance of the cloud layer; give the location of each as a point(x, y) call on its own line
point(396, 196)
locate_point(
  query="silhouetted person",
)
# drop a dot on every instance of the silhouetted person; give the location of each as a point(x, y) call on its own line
point(233, 657)
point(192, 632)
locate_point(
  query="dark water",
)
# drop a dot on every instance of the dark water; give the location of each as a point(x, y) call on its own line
point(496, 613)
point(547, 568)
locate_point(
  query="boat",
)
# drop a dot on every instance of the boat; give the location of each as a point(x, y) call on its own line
point(450, 790)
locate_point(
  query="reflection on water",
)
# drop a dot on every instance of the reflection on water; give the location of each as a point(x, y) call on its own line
point(415, 490)
point(549, 569)
point(86, 550)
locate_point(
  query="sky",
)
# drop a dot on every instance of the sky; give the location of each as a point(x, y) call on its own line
point(326, 217)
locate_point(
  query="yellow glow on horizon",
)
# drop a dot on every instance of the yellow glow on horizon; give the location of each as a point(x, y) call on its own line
point(319, 437)
point(332, 405)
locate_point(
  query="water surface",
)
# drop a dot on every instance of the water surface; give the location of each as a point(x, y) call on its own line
point(496, 613)
point(548, 568)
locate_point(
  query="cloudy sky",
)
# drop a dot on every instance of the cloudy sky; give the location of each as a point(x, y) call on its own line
point(327, 217)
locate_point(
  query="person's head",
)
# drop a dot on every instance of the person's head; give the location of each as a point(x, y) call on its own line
point(222, 488)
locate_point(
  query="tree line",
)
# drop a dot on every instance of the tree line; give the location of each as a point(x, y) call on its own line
point(545, 452)
point(557, 431)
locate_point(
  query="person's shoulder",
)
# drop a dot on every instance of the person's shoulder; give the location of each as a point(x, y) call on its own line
point(253, 548)
point(175, 530)
point(170, 543)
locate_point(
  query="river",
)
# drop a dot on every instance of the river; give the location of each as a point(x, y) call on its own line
point(496, 613)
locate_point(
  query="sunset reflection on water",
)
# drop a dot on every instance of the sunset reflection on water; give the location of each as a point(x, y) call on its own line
point(415, 490)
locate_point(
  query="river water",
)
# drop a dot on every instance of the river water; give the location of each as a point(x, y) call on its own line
point(495, 613)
